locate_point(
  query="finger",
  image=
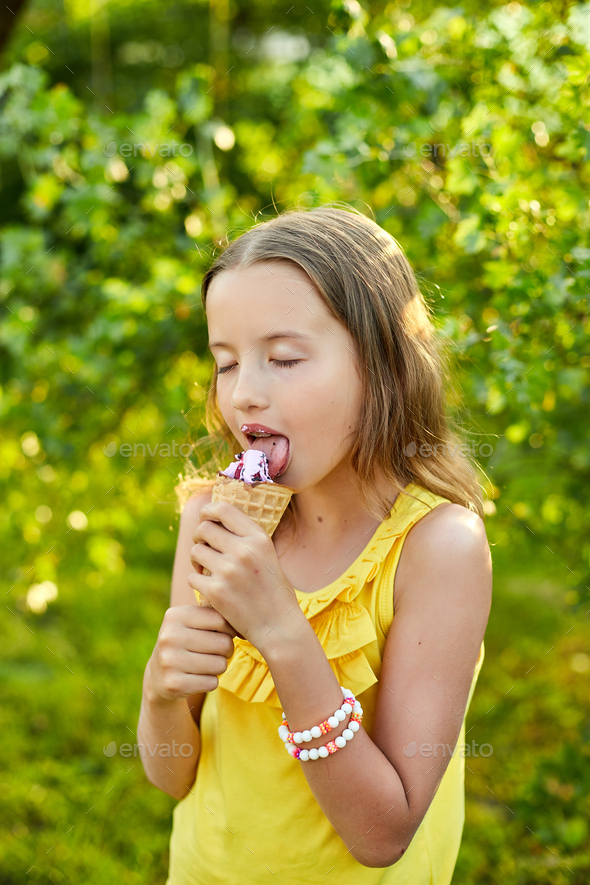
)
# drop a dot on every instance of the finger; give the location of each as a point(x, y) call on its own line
point(207, 512)
point(210, 642)
point(184, 684)
point(202, 618)
point(206, 557)
point(199, 663)
point(182, 660)
point(229, 516)
point(214, 536)
point(203, 516)
point(212, 533)
point(196, 565)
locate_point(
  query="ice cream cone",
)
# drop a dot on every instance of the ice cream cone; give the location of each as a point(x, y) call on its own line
point(264, 502)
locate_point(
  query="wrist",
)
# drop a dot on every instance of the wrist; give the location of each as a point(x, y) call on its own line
point(289, 639)
point(305, 681)
point(150, 695)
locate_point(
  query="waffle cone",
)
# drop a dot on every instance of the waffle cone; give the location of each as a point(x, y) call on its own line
point(265, 503)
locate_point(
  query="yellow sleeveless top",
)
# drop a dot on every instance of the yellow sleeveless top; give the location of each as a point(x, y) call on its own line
point(251, 818)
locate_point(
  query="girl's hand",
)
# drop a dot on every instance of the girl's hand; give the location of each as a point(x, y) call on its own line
point(246, 583)
point(191, 652)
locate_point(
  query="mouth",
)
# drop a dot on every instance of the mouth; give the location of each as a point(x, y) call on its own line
point(274, 444)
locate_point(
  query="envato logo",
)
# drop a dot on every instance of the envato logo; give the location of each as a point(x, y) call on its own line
point(161, 450)
point(165, 750)
point(461, 149)
point(166, 149)
point(465, 750)
point(428, 450)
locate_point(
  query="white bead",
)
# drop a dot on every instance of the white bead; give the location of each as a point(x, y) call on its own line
point(298, 737)
point(304, 755)
point(323, 752)
point(316, 732)
point(344, 691)
point(289, 747)
point(346, 708)
point(307, 735)
point(340, 715)
point(284, 717)
point(353, 726)
point(332, 722)
point(357, 707)
point(348, 734)
point(340, 742)
point(283, 732)
point(313, 754)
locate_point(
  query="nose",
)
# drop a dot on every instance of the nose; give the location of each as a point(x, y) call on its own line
point(248, 390)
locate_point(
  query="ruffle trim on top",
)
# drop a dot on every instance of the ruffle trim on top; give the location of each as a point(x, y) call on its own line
point(343, 631)
point(343, 626)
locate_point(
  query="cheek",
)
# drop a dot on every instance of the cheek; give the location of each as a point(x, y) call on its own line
point(334, 405)
point(225, 407)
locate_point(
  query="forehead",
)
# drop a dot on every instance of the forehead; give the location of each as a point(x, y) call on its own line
point(265, 293)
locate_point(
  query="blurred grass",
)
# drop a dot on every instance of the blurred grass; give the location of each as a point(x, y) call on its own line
point(74, 685)
point(72, 673)
point(527, 804)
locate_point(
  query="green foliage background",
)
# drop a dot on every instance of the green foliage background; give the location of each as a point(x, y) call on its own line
point(465, 132)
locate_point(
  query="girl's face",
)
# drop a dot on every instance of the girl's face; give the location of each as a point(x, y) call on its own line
point(286, 364)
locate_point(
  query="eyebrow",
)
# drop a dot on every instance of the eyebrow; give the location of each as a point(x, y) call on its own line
point(287, 333)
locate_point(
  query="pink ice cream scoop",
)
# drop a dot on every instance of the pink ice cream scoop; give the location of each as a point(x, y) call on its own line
point(250, 466)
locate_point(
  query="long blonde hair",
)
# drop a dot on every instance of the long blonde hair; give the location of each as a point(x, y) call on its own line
point(366, 281)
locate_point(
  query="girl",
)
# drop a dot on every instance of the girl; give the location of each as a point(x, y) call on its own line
point(376, 585)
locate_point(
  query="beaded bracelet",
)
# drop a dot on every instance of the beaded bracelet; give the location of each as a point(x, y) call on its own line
point(332, 746)
point(324, 727)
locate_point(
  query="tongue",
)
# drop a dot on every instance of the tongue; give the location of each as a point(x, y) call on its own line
point(276, 449)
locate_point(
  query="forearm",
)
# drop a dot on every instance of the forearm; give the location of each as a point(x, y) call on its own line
point(169, 742)
point(357, 788)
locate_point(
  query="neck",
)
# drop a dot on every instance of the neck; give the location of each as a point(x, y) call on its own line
point(332, 509)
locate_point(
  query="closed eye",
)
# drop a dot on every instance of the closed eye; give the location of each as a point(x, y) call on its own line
point(287, 364)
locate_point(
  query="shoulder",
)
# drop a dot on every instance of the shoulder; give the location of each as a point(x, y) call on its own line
point(194, 505)
point(448, 546)
point(448, 523)
point(190, 519)
point(191, 485)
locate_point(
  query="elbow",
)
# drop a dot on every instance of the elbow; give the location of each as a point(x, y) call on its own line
point(380, 856)
point(175, 791)
point(179, 795)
